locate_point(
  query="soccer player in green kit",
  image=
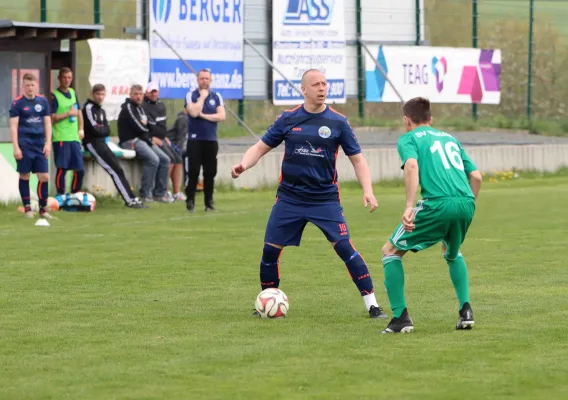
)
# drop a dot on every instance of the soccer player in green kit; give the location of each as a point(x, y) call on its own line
point(450, 183)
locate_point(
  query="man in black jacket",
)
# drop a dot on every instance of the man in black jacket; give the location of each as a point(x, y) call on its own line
point(156, 111)
point(133, 134)
point(97, 131)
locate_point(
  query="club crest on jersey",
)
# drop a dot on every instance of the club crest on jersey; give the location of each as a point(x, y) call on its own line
point(38, 107)
point(212, 102)
point(324, 132)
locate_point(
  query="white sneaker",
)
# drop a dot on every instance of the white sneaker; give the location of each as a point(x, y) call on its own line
point(29, 214)
point(46, 215)
point(180, 197)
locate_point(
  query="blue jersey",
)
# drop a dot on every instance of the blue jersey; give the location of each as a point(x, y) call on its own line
point(31, 113)
point(312, 142)
point(199, 128)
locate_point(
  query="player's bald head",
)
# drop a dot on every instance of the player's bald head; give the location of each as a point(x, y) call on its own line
point(310, 73)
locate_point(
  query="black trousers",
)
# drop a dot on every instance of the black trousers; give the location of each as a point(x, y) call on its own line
point(105, 158)
point(201, 153)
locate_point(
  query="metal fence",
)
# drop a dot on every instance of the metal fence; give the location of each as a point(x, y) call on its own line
point(532, 36)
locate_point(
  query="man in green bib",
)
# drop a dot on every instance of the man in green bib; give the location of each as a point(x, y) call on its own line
point(67, 123)
point(450, 183)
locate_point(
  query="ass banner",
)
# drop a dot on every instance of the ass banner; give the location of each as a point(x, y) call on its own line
point(118, 64)
point(308, 34)
point(206, 33)
point(442, 74)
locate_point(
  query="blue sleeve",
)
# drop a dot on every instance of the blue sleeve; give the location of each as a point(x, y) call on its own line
point(47, 108)
point(54, 105)
point(14, 109)
point(78, 105)
point(275, 134)
point(348, 141)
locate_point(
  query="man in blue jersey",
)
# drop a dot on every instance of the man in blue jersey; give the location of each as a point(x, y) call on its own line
point(309, 190)
point(30, 129)
point(206, 109)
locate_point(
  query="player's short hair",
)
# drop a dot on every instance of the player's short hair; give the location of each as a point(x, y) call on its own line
point(99, 87)
point(207, 70)
point(417, 110)
point(136, 87)
point(29, 77)
point(63, 71)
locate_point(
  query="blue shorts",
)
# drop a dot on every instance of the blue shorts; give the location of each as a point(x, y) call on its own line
point(68, 155)
point(288, 220)
point(33, 160)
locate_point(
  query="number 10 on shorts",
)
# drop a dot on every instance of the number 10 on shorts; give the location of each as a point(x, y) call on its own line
point(343, 229)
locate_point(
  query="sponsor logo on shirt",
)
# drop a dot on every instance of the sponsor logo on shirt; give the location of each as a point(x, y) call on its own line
point(324, 132)
point(311, 151)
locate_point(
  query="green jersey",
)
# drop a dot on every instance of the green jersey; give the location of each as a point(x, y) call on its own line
point(443, 164)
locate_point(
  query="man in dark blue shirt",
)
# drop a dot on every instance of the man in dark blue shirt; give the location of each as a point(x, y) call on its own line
point(309, 189)
point(30, 129)
point(205, 108)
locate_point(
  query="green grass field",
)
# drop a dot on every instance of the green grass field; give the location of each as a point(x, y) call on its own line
point(155, 304)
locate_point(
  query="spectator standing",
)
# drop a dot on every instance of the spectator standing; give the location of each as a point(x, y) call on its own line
point(157, 117)
point(206, 109)
point(97, 130)
point(133, 134)
point(177, 135)
point(67, 122)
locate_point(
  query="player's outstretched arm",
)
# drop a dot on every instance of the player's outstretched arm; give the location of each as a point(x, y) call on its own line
point(364, 176)
point(411, 185)
point(475, 179)
point(251, 157)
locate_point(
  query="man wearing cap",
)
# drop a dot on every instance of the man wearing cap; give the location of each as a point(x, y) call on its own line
point(156, 112)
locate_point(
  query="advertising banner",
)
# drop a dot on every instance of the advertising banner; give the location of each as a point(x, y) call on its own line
point(118, 64)
point(206, 33)
point(308, 34)
point(441, 74)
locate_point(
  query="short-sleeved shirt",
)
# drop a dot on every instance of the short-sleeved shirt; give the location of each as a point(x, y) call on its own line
point(199, 128)
point(443, 164)
point(312, 143)
point(55, 103)
point(31, 113)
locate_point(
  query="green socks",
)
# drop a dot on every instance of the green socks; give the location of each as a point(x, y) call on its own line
point(458, 273)
point(394, 283)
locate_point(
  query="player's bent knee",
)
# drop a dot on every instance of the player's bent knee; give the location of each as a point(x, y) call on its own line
point(278, 246)
point(25, 177)
point(389, 250)
point(43, 177)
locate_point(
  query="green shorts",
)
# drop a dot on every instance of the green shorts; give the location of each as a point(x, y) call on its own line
point(440, 220)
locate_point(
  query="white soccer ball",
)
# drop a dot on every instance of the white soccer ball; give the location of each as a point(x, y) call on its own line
point(272, 303)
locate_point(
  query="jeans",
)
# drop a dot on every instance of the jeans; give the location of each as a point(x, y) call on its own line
point(156, 165)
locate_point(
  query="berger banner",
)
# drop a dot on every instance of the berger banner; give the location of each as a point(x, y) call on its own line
point(442, 74)
point(208, 34)
point(118, 64)
point(308, 34)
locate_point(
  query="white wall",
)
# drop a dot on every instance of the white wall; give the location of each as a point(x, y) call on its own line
point(383, 162)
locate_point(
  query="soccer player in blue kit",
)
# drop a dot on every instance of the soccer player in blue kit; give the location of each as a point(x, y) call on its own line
point(30, 129)
point(308, 189)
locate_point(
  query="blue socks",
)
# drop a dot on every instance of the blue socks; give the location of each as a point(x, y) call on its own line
point(356, 266)
point(270, 267)
point(24, 186)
